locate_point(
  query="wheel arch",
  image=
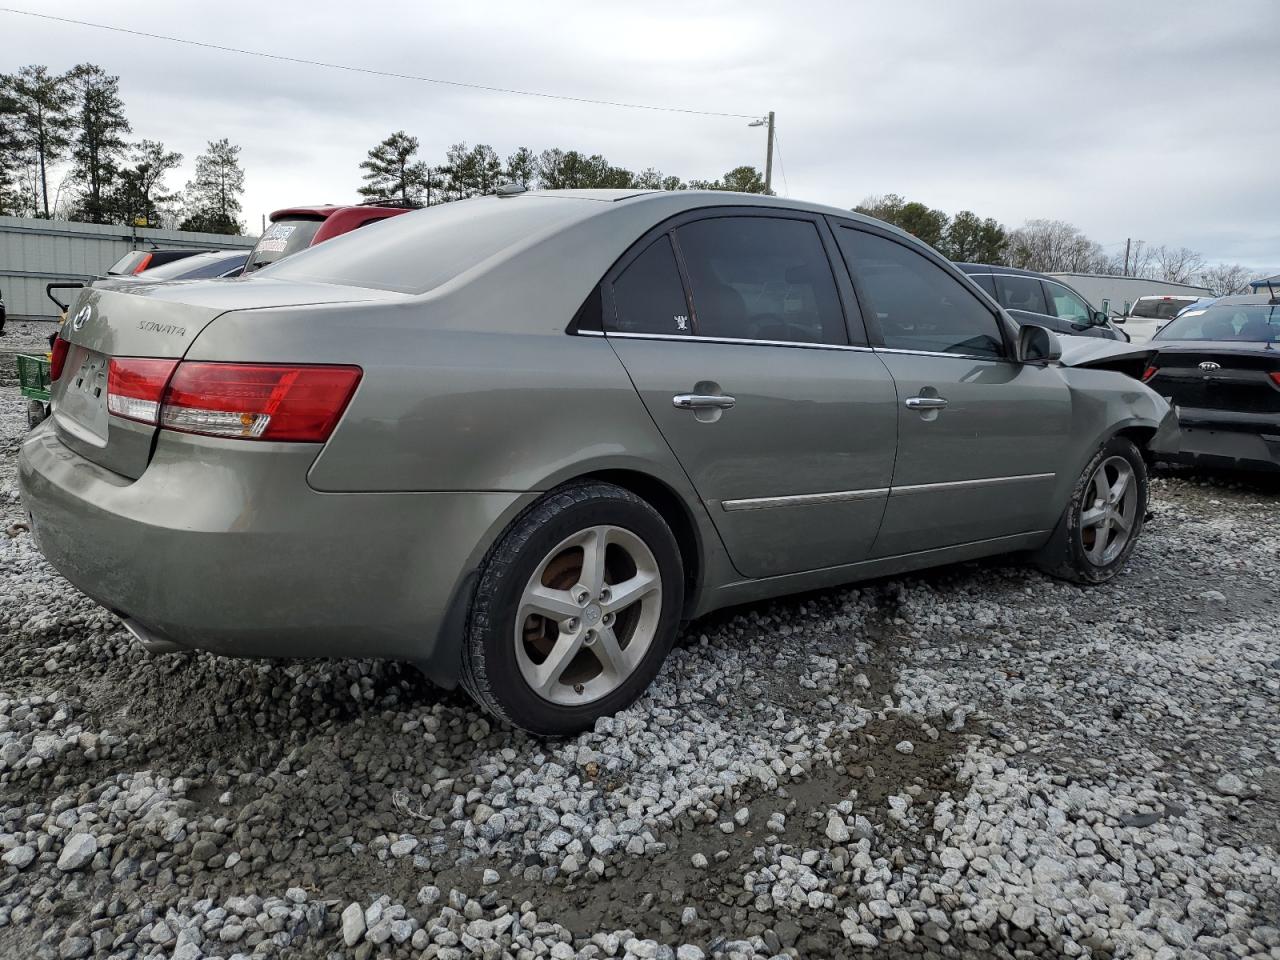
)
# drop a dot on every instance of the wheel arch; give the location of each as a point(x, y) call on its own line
point(674, 510)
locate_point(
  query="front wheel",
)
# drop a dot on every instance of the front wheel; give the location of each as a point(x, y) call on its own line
point(575, 610)
point(1104, 519)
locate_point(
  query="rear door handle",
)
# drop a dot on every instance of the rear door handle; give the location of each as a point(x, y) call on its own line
point(702, 401)
point(925, 403)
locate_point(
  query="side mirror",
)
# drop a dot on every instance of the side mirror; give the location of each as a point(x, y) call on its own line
point(1100, 318)
point(1037, 345)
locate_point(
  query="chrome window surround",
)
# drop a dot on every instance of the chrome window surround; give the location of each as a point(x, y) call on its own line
point(694, 338)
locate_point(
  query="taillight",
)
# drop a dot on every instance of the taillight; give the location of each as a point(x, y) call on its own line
point(258, 401)
point(1150, 372)
point(143, 263)
point(135, 386)
point(58, 357)
point(1275, 378)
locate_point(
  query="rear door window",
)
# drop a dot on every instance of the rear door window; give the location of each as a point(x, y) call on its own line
point(761, 278)
point(284, 237)
point(986, 282)
point(919, 306)
point(1068, 305)
point(1020, 293)
point(648, 296)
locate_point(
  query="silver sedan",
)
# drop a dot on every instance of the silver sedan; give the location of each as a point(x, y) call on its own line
point(518, 440)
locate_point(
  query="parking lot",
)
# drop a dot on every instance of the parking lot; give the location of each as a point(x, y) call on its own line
point(979, 761)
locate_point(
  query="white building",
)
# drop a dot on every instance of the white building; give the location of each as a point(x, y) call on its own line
point(1116, 294)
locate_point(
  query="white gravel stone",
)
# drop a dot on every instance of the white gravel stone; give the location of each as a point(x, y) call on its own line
point(79, 849)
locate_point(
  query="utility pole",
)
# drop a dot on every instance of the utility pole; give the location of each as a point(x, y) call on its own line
point(768, 159)
point(1127, 240)
point(768, 156)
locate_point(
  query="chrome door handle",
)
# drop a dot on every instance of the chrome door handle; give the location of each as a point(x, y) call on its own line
point(925, 403)
point(701, 401)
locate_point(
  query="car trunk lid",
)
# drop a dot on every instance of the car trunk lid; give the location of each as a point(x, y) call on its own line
point(113, 319)
point(1214, 376)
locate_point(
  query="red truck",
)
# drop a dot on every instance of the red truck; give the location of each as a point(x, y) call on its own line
point(296, 228)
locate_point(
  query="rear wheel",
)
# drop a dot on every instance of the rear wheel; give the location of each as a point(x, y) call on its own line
point(1104, 519)
point(575, 610)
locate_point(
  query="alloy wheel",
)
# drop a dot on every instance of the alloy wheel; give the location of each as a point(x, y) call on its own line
point(1109, 510)
point(588, 615)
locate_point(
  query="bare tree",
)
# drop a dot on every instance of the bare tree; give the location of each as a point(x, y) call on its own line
point(1176, 264)
point(1226, 279)
point(1053, 245)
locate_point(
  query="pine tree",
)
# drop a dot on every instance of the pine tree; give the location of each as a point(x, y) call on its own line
point(99, 144)
point(522, 167)
point(139, 197)
point(391, 172)
point(12, 200)
point(44, 101)
point(214, 195)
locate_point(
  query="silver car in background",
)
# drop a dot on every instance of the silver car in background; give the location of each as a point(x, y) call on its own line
point(518, 440)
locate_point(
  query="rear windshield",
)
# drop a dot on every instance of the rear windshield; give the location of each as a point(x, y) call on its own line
point(1165, 308)
point(199, 267)
point(283, 238)
point(420, 251)
point(1255, 322)
point(128, 263)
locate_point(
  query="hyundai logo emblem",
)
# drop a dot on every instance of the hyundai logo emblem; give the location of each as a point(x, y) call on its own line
point(1210, 365)
point(83, 317)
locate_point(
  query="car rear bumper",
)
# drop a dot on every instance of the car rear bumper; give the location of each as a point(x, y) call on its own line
point(1224, 438)
point(221, 545)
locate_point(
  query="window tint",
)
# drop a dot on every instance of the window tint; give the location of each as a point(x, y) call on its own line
point(1021, 293)
point(761, 278)
point(918, 304)
point(985, 281)
point(1163, 308)
point(1068, 306)
point(648, 296)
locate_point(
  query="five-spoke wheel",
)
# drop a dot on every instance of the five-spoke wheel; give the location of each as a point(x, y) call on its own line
point(588, 615)
point(1106, 523)
point(576, 608)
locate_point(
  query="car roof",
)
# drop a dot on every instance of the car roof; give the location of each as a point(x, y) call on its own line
point(1001, 269)
point(1242, 298)
point(1171, 296)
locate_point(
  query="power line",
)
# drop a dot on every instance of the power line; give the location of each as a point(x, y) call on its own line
point(782, 167)
point(376, 73)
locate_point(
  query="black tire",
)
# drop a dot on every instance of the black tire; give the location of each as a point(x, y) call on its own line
point(490, 669)
point(1065, 556)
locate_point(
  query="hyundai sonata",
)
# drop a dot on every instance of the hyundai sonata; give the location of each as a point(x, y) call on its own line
point(519, 439)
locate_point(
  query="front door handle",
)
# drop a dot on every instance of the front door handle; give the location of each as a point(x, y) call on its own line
point(702, 401)
point(925, 403)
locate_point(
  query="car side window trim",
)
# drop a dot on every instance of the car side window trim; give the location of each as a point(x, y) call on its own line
point(876, 335)
point(854, 321)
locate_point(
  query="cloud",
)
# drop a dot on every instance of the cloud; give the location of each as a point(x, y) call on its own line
point(1130, 120)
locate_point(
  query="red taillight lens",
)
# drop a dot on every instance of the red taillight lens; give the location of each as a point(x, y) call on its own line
point(135, 386)
point(1150, 372)
point(258, 401)
point(58, 357)
point(143, 264)
point(1275, 378)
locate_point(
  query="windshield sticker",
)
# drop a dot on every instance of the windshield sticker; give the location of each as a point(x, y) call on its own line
point(272, 244)
point(281, 230)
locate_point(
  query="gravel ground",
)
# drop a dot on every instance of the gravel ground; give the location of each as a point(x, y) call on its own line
point(977, 762)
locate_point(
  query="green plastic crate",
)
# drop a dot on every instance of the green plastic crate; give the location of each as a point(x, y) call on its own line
point(33, 377)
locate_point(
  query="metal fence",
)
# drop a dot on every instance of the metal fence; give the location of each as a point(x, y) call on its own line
point(36, 252)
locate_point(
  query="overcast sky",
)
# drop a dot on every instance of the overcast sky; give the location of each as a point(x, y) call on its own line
point(1154, 120)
